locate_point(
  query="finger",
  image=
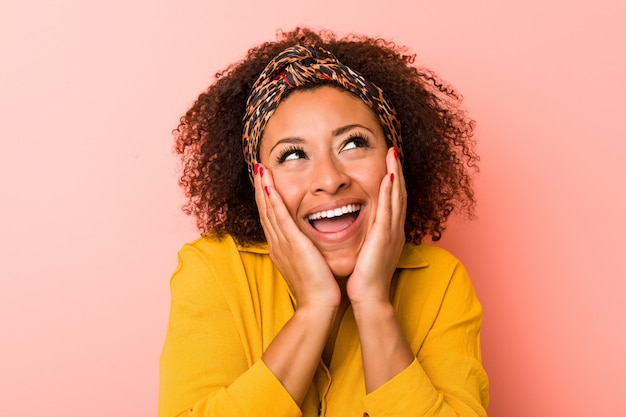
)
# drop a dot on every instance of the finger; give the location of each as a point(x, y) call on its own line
point(258, 195)
point(263, 204)
point(278, 215)
point(398, 195)
point(385, 209)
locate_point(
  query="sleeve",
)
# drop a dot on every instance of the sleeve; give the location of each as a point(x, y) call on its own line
point(204, 369)
point(446, 378)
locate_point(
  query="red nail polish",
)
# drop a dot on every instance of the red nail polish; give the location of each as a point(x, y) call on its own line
point(261, 171)
point(395, 152)
point(267, 190)
point(256, 168)
point(391, 177)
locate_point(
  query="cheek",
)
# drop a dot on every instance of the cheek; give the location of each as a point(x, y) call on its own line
point(371, 177)
point(289, 190)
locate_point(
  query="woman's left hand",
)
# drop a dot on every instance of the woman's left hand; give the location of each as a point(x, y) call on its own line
point(371, 278)
point(384, 348)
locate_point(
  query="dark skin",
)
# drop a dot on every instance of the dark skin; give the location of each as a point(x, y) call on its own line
point(437, 139)
point(329, 271)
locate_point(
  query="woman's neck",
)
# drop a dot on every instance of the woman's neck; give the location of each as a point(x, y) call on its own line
point(334, 330)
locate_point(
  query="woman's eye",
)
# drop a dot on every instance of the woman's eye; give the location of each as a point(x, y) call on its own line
point(356, 142)
point(291, 155)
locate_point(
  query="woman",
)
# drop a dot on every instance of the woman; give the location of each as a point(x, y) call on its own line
point(310, 292)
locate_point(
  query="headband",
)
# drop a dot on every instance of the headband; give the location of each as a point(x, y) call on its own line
point(299, 66)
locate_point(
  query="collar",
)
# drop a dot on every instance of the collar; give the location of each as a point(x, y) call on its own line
point(410, 257)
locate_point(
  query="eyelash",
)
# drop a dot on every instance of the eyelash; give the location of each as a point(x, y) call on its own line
point(357, 138)
point(285, 153)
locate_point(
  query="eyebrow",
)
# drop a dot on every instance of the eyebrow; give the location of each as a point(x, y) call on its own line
point(286, 140)
point(336, 132)
point(344, 129)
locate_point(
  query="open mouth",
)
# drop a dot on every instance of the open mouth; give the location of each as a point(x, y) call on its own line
point(329, 221)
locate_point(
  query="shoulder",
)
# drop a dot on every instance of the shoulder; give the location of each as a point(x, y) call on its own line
point(208, 246)
point(216, 249)
point(435, 284)
point(210, 263)
point(424, 255)
point(429, 266)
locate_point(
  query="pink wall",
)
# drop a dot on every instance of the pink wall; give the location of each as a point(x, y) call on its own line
point(90, 223)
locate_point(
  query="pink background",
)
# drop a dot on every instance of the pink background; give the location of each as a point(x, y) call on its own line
point(90, 221)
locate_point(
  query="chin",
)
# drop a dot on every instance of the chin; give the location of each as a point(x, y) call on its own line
point(341, 268)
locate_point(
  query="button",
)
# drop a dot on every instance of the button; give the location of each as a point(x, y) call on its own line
point(366, 415)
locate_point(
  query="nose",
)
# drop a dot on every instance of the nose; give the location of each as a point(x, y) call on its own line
point(329, 176)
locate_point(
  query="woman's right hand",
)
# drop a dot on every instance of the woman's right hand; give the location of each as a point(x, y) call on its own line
point(302, 265)
point(295, 352)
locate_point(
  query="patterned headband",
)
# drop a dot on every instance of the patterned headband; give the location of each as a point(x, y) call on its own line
point(299, 66)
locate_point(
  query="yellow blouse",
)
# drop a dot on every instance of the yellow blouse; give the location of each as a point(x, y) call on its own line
point(228, 303)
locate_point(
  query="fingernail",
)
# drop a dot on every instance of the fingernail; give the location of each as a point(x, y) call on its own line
point(395, 152)
point(391, 177)
point(261, 171)
point(256, 168)
point(267, 190)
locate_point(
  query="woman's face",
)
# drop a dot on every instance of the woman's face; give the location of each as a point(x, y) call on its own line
point(326, 151)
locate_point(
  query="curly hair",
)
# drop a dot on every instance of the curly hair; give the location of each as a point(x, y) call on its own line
point(438, 143)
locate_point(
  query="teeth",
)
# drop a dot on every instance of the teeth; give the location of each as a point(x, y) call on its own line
point(329, 214)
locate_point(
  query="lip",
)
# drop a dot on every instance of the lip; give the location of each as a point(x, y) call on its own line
point(324, 214)
point(332, 205)
point(341, 234)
